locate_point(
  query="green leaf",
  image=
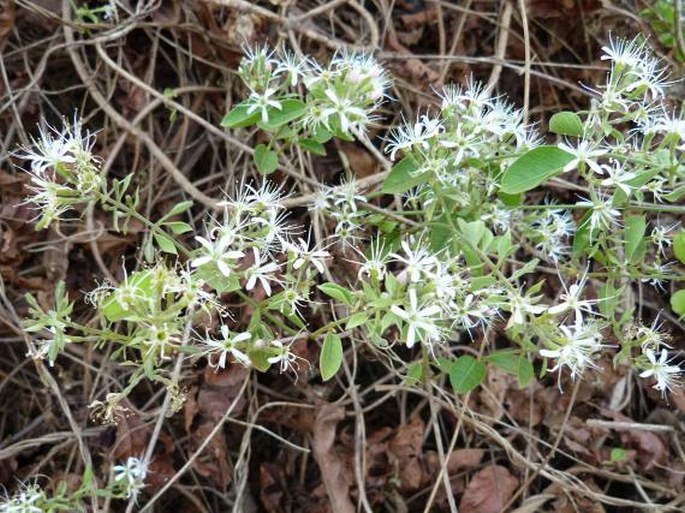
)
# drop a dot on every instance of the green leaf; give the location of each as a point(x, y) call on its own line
point(178, 227)
point(633, 235)
point(534, 168)
point(675, 194)
point(356, 320)
point(581, 239)
point(331, 356)
point(510, 200)
point(617, 455)
point(466, 374)
point(513, 363)
point(473, 231)
point(165, 243)
point(178, 208)
point(239, 118)
point(566, 123)
point(678, 302)
point(337, 292)
point(414, 373)
point(290, 109)
point(402, 178)
point(265, 159)
point(312, 146)
point(528, 267)
point(440, 234)
point(321, 135)
point(608, 299)
point(679, 246)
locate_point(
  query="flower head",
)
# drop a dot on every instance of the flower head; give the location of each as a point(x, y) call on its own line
point(666, 376)
point(576, 348)
point(229, 343)
point(131, 475)
point(420, 319)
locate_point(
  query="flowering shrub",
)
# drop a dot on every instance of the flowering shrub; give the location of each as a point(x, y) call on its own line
point(460, 261)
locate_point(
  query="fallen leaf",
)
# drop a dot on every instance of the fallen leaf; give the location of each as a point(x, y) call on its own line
point(213, 461)
point(406, 447)
point(464, 459)
point(489, 490)
point(333, 474)
point(271, 487)
point(132, 434)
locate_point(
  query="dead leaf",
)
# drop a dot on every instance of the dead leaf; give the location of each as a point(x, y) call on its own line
point(161, 470)
point(271, 487)
point(333, 474)
point(464, 459)
point(650, 448)
point(406, 447)
point(213, 461)
point(533, 504)
point(359, 160)
point(132, 435)
point(7, 18)
point(489, 490)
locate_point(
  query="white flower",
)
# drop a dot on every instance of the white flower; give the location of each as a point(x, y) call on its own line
point(347, 196)
point(420, 320)
point(374, 265)
point(418, 261)
point(660, 236)
point(649, 76)
point(283, 356)
point(467, 314)
point(292, 66)
point(628, 53)
point(53, 148)
point(276, 229)
point(670, 124)
point(316, 257)
point(520, 306)
point(570, 298)
point(268, 196)
point(262, 102)
point(603, 216)
point(579, 345)
point(293, 299)
point(417, 135)
point(666, 376)
point(132, 475)
point(227, 345)
point(584, 154)
point(348, 113)
point(216, 252)
point(261, 273)
point(617, 177)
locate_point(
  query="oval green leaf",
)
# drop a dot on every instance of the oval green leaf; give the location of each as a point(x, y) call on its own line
point(678, 302)
point(265, 159)
point(534, 168)
point(566, 123)
point(239, 118)
point(679, 246)
point(331, 356)
point(402, 178)
point(466, 374)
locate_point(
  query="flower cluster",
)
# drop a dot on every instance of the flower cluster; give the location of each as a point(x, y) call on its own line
point(63, 169)
point(340, 96)
point(448, 156)
point(341, 205)
point(28, 499)
point(431, 299)
point(130, 476)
